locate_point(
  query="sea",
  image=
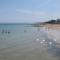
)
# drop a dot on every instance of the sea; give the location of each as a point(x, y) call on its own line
point(25, 42)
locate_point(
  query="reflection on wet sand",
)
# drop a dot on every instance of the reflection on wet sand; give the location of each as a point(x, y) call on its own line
point(50, 43)
point(53, 47)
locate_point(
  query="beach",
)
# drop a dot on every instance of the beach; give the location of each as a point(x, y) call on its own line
point(52, 26)
point(24, 42)
point(53, 31)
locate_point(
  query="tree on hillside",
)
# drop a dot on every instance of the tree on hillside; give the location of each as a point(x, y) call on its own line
point(58, 21)
point(51, 21)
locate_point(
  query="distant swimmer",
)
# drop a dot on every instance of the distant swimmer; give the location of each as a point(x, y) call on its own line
point(8, 32)
point(25, 30)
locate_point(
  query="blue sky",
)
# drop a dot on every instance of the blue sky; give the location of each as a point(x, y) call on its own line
point(29, 10)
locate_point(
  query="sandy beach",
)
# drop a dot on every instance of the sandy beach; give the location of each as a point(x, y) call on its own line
point(53, 26)
point(53, 31)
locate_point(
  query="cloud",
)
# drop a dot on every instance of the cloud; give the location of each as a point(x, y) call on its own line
point(23, 11)
point(37, 15)
point(23, 15)
point(30, 12)
point(31, 15)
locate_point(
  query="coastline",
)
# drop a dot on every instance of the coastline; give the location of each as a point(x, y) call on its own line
point(52, 26)
point(53, 31)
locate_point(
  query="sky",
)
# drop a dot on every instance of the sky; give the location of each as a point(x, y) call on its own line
point(23, 11)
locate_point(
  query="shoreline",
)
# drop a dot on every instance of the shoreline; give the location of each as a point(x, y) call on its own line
point(52, 26)
point(53, 31)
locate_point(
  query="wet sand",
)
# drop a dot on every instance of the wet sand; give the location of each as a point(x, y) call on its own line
point(35, 54)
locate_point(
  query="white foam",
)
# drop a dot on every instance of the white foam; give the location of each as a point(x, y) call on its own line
point(43, 40)
point(50, 43)
point(37, 39)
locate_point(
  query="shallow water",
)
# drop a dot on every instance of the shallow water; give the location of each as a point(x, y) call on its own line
point(20, 42)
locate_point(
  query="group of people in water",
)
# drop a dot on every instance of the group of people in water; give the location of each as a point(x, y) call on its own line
point(5, 31)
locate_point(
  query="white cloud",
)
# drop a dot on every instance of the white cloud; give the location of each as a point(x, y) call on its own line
point(30, 12)
point(36, 15)
point(22, 15)
point(31, 15)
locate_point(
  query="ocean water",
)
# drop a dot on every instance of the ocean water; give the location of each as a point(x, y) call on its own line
point(24, 42)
